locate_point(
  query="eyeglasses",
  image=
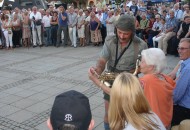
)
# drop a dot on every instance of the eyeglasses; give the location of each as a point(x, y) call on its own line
point(182, 48)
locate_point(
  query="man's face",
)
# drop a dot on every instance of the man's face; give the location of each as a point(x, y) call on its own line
point(176, 7)
point(35, 10)
point(106, 10)
point(124, 36)
point(71, 10)
point(16, 10)
point(47, 13)
point(171, 14)
point(76, 11)
point(109, 14)
point(80, 13)
point(164, 13)
point(187, 20)
point(99, 12)
point(51, 8)
point(143, 17)
point(184, 50)
point(155, 12)
point(61, 9)
point(86, 13)
point(152, 20)
point(157, 19)
point(187, 9)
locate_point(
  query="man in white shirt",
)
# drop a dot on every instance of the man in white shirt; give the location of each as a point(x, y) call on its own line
point(35, 18)
point(156, 28)
point(72, 16)
point(186, 12)
point(47, 27)
point(99, 15)
point(178, 13)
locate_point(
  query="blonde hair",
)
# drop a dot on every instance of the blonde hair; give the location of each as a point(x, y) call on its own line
point(128, 104)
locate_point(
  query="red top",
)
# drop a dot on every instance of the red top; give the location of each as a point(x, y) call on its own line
point(159, 93)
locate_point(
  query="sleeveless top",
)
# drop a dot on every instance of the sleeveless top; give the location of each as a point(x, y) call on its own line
point(7, 23)
point(15, 23)
point(54, 21)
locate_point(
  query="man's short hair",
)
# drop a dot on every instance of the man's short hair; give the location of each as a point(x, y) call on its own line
point(71, 108)
point(185, 40)
point(155, 10)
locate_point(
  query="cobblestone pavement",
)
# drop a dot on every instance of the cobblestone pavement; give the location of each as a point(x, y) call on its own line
point(31, 78)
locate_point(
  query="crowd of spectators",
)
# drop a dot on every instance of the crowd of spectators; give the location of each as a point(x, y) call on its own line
point(155, 23)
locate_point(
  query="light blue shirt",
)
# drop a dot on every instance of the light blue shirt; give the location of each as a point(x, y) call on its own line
point(72, 19)
point(178, 14)
point(105, 15)
point(182, 90)
point(157, 26)
point(171, 23)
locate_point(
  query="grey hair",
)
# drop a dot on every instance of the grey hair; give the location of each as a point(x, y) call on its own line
point(157, 16)
point(171, 11)
point(80, 10)
point(110, 11)
point(34, 7)
point(155, 57)
point(143, 14)
point(185, 40)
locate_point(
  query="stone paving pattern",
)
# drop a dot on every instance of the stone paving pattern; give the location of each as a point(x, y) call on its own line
point(31, 78)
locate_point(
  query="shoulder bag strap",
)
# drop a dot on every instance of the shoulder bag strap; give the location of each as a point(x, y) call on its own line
point(117, 59)
point(136, 51)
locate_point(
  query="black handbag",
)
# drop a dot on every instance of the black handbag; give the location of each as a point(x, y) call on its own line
point(38, 22)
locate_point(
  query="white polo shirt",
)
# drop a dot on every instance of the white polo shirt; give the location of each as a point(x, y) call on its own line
point(46, 21)
point(36, 16)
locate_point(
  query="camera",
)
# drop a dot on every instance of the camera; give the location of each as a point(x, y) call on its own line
point(157, 28)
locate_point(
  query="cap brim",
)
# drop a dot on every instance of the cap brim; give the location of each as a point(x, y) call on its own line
point(175, 127)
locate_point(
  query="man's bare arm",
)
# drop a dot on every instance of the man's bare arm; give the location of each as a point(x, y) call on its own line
point(63, 17)
point(100, 66)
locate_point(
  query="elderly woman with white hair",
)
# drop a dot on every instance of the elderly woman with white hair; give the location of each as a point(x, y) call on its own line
point(80, 27)
point(158, 87)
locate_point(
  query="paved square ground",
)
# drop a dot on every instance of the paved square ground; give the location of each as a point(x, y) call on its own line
point(31, 78)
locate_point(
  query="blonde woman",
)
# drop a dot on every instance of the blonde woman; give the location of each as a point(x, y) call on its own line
point(129, 109)
point(26, 33)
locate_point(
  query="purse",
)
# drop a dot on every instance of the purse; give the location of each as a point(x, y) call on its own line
point(38, 22)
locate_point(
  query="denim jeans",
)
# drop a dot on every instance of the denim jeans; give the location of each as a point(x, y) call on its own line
point(65, 31)
point(48, 36)
point(54, 34)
